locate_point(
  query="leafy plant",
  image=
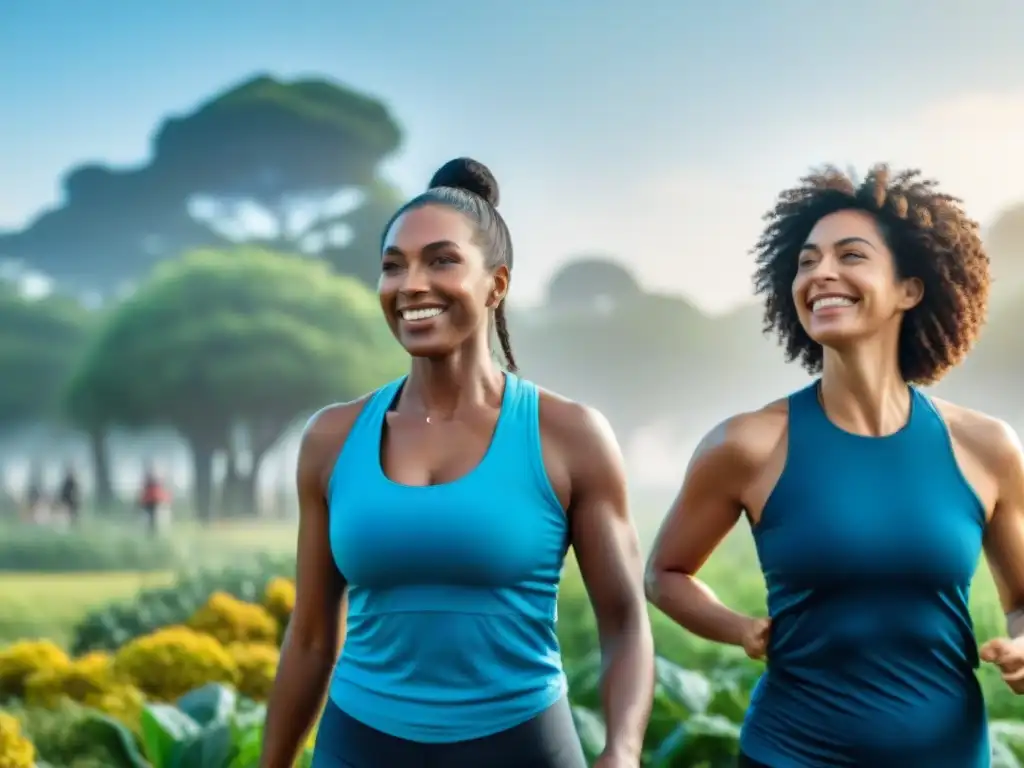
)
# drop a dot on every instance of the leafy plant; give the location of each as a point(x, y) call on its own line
point(111, 627)
point(73, 736)
point(211, 727)
point(695, 719)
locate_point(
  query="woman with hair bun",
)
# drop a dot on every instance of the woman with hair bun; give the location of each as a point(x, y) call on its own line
point(442, 506)
point(870, 502)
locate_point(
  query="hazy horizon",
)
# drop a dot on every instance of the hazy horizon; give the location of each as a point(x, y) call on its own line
point(659, 137)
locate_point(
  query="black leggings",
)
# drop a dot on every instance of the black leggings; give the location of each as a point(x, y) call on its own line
point(548, 740)
point(746, 762)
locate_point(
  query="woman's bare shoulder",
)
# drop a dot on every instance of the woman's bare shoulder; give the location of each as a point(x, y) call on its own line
point(325, 434)
point(748, 438)
point(989, 440)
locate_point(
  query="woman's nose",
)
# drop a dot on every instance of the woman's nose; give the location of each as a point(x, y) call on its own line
point(415, 279)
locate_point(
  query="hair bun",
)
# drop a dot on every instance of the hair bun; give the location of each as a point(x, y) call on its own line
point(468, 174)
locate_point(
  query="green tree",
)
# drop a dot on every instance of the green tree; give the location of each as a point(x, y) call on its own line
point(227, 340)
point(40, 343)
point(285, 153)
point(641, 360)
point(113, 227)
point(589, 281)
point(351, 240)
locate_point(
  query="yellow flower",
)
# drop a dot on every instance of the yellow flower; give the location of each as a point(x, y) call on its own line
point(16, 751)
point(279, 599)
point(231, 620)
point(78, 679)
point(20, 661)
point(257, 666)
point(169, 663)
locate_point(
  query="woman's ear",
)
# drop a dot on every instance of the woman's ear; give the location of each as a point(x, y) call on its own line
point(499, 286)
point(913, 292)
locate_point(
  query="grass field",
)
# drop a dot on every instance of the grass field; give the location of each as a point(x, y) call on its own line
point(49, 605)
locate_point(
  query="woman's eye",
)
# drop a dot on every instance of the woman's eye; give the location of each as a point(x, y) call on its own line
point(851, 255)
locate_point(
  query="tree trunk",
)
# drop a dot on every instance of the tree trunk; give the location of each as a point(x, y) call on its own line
point(202, 470)
point(231, 490)
point(262, 434)
point(101, 468)
point(248, 500)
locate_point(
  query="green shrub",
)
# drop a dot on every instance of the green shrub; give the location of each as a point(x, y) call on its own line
point(72, 736)
point(104, 548)
point(111, 627)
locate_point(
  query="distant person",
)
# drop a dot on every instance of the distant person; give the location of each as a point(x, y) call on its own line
point(70, 496)
point(35, 500)
point(442, 504)
point(870, 501)
point(153, 498)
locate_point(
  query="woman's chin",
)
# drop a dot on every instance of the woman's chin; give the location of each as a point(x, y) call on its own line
point(836, 338)
point(429, 350)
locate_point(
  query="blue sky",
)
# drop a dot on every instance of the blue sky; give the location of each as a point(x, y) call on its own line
point(658, 131)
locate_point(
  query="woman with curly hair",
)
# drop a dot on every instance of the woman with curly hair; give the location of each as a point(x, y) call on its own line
point(869, 501)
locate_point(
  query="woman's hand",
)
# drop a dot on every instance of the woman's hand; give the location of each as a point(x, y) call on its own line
point(1008, 655)
point(755, 639)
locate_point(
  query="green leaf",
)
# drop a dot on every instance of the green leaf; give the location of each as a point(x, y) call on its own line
point(165, 728)
point(1003, 757)
point(688, 688)
point(250, 718)
point(670, 749)
point(730, 701)
point(711, 738)
point(213, 703)
point(247, 736)
point(213, 748)
point(591, 731)
point(1007, 738)
point(116, 736)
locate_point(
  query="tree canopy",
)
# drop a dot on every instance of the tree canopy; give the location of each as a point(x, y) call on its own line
point(280, 153)
point(591, 281)
point(628, 359)
point(40, 343)
point(235, 337)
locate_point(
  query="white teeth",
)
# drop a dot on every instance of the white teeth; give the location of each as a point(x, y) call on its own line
point(422, 314)
point(831, 301)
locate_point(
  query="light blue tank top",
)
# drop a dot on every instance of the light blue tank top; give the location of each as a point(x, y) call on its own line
point(451, 588)
point(868, 546)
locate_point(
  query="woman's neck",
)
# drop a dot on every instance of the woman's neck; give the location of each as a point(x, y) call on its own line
point(443, 387)
point(863, 391)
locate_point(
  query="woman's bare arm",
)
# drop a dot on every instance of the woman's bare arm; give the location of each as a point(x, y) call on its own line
point(607, 549)
point(725, 467)
point(1004, 535)
point(312, 640)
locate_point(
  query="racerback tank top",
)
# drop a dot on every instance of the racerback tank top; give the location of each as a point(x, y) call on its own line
point(451, 588)
point(868, 546)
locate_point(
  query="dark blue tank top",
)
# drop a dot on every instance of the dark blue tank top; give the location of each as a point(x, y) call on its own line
point(451, 588)
point(868, 546)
